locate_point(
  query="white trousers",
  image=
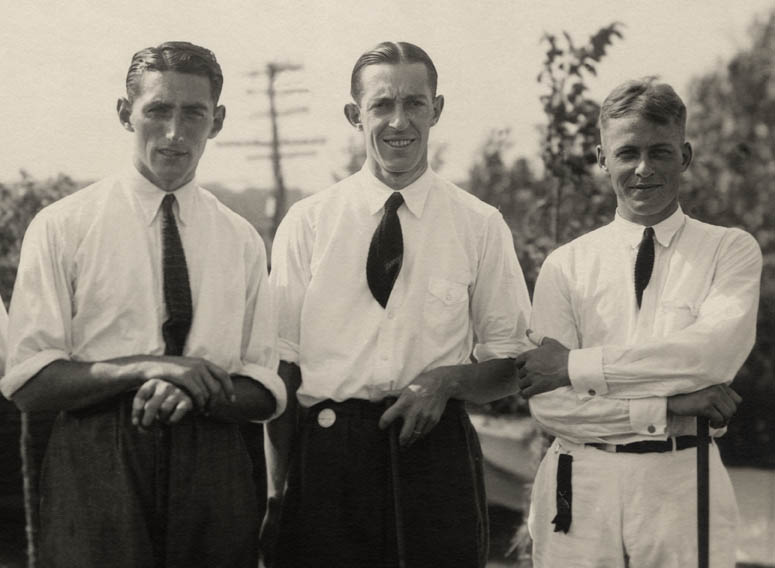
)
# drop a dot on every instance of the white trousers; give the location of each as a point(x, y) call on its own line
point(631, 510)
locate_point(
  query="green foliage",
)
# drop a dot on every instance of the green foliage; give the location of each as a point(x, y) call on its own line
point(19, 202)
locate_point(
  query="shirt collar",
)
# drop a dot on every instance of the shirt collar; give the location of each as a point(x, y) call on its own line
point(149, 196)
point(664, 231)
point(415, 194)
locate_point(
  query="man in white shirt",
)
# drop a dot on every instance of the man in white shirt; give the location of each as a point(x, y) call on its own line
point(142, 312)
point(387, 284)
point(643, 324)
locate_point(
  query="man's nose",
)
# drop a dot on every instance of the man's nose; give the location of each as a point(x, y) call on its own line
point(644, 168)
point(399, 120)
point(174, 129)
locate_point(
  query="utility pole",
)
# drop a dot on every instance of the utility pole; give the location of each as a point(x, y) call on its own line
point(272, 70)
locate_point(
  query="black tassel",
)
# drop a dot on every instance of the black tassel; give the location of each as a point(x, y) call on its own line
point(563, 518)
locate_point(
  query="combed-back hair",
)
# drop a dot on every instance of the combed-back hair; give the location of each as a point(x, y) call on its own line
point(393, 53)
point(647, 98)
point(180, 56)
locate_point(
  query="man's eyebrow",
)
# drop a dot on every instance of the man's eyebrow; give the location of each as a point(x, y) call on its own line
point(195, 106)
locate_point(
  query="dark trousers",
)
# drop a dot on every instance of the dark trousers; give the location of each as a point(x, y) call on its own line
point(338, 508)
point(176, 496)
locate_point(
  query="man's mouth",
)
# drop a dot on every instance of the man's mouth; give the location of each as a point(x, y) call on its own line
point(171, 153)
point(398, 142)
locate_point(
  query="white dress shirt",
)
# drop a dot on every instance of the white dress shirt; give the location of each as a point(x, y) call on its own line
point(89, 285)
point(695, 327)
point(3, 335)
point(460, 290)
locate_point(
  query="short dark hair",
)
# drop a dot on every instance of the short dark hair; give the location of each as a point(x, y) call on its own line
point(645, 97)
point(393, 53)
point(180, 56)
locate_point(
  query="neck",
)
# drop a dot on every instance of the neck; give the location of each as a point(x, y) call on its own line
point(397, 180)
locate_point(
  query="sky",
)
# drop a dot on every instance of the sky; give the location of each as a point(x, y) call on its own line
point(63, 66)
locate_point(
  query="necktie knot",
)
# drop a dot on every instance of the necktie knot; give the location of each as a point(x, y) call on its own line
point(394, 202)
point(167, 203)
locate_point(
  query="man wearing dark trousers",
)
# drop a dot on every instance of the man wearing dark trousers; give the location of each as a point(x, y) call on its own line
point(388, 284)
point(142, 312)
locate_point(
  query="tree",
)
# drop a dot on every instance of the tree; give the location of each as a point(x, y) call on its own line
point(571, 134)
point(732, 128)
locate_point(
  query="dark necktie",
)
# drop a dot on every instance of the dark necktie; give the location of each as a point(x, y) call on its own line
point(386, 251)
point(644, 263)
point(177, 291)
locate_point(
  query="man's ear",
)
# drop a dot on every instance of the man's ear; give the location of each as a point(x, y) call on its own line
point(686, 156)
point(438, 106)
point(219, 115)
point(353, 113)
point(124, 110)
point(601, 158)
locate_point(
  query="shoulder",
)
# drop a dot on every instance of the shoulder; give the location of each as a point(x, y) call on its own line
point(592, 243)
point(306, 212)
point(463, 200)
point(85, 204)
point(732, 240)
point(227, 218)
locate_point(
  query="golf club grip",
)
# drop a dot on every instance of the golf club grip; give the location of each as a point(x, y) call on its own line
point(395, 456)
point(703, 492)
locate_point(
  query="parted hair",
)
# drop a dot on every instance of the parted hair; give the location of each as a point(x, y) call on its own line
point(393, 53)
point(645, 97)
point(180, 56)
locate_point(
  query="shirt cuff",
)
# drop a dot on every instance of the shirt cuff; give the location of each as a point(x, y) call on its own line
point(288, 350)
point(18, 375)
point(585, 370)
point(487, 351)
point(648, 416)
point(272, 382)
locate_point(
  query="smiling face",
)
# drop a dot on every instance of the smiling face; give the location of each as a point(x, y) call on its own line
point(396, 112)
point(172, 118)
point(645, 161)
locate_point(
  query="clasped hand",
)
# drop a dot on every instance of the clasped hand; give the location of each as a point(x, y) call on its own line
point(542, 369)
point(176, 385)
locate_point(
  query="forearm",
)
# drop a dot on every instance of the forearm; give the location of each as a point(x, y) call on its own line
point(481, 382)
point(280, 434)
point(252, 402)
point(69, 385)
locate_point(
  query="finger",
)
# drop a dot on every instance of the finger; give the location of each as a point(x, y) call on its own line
point(389, 416)
point(141, 396)
point(733, 394)
point(715, 418)
point(170, 402)
point(151, 406)
point(407, 430)
point(225, 381)
point(182, 408)
point(535, 338)
point(521, 359)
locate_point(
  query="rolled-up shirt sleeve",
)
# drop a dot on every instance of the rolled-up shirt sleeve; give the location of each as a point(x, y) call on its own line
point(709, 351)
point(500, 303)
point(40, 313)
point(259, 355)
point(289, 278)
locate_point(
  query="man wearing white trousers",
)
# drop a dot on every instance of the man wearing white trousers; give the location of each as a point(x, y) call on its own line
point(642, 324)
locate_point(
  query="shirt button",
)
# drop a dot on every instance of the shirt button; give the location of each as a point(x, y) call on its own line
point(384, 357)
point(591, 392)
point(651, 429)
point(391, 315)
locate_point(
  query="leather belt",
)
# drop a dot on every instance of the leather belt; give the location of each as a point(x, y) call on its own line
point(649, 446)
